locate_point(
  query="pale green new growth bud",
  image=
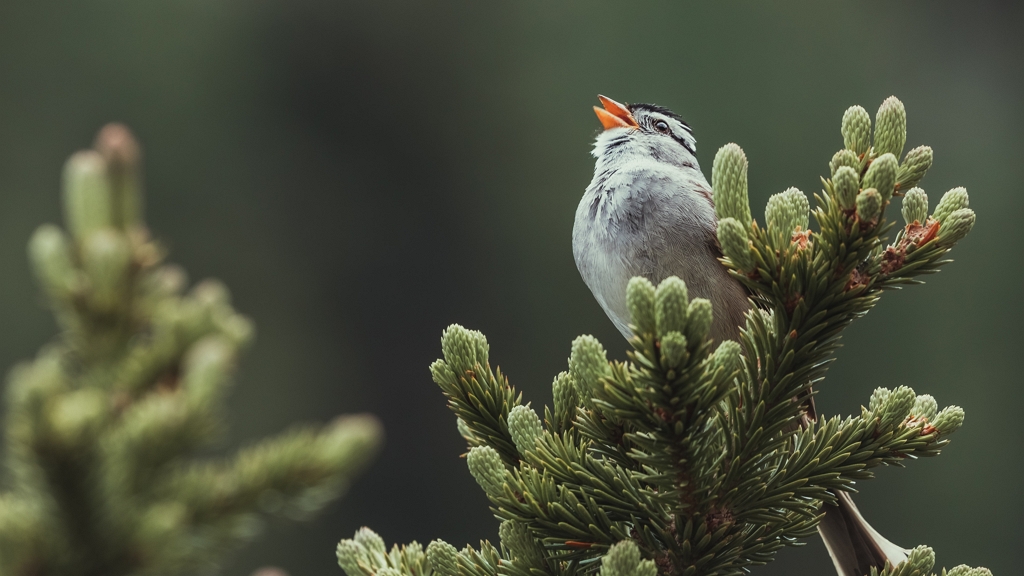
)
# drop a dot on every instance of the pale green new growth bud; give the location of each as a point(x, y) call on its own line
point(735, 244)
point(106, 261)
point(890, 127)
point(372, 542)
point(123, 159)
point(441, 373)
point(878, 398)
point(671, 301)
point(922, 559)
point(869, 205)
point(856, 129)
point(965, 570)
point(881, 175)
point(729, 182)
point(897, 407)
point(516, 537)
point(168, 280)
point(33, 382)
point(464, 349)
point(588, 363)
point(949, 420)
point(237, 328)
point(350, 554)
point(464, 430)
point(525, 427)
point(846, 184)
point(728, 356)
point(844, 158)
point(388, 571)
point(77, 417)
point(443, 558)
point(952, 201)
point(50, 254)
point(956, 226)
point(925, 407)
point(698, 320)
point(207, 368)
point(87, 199)
point(787, 212)
point(414, 556)
point(564, 392)
point(211, 293)
point(673, 348)
point(623, 559)
point(915, 206)
point(487, 469)
point(640, 301)
point(915, 164)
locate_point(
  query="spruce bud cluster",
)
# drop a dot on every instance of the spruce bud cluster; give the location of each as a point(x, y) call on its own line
point(671, 302)
point(956, 226)
point(869, 205)
point(640, 302)
point(915, 164)
point(881, 175)
point(735, 242)
point(890, 127)
point(846, 183)
point(525, 427)
point(588, 364)
point(487, 468)
point(846, 158)
point(915, 206)
point(955, 199)
point(729, 182)
point(623, 559)
point(856, 130)
point(787, 212)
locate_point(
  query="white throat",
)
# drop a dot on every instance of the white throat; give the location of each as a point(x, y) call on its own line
point(620, 147)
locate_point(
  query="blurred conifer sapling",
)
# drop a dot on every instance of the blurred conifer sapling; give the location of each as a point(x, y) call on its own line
point(100, 425)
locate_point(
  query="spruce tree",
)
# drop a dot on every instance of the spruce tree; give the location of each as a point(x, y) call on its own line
point(694, 457)
point(100, 426)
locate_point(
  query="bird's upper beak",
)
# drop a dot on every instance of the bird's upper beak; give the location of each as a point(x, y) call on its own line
point(614, 115)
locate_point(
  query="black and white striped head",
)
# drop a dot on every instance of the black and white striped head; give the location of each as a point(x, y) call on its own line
point(643, 130)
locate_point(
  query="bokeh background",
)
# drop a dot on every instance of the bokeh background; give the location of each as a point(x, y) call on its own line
point(364, 172)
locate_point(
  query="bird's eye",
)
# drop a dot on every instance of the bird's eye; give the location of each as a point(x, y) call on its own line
point(661, 126)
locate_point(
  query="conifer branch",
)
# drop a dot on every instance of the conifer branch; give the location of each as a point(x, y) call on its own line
point(698, 458)
point(100, 425)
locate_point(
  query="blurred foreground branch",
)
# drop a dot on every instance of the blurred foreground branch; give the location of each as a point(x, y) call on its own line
point(100, 424)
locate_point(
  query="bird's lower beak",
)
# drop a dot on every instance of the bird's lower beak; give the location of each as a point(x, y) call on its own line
point(614, 115)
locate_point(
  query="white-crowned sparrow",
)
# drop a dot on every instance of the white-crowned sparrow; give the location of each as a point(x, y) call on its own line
point(648, 212)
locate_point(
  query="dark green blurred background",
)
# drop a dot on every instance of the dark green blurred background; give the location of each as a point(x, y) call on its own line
point(362, 174)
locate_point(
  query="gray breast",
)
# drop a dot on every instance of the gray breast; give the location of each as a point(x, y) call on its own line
point(653, 220)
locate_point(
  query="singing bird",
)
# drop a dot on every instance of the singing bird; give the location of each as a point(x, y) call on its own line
point(649, 212)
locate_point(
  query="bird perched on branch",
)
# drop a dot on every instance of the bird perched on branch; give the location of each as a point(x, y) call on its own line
point(649, 212)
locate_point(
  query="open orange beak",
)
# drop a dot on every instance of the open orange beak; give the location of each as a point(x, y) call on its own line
point(614, 115)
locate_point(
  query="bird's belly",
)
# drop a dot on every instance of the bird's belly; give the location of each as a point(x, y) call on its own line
point(608, 269)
